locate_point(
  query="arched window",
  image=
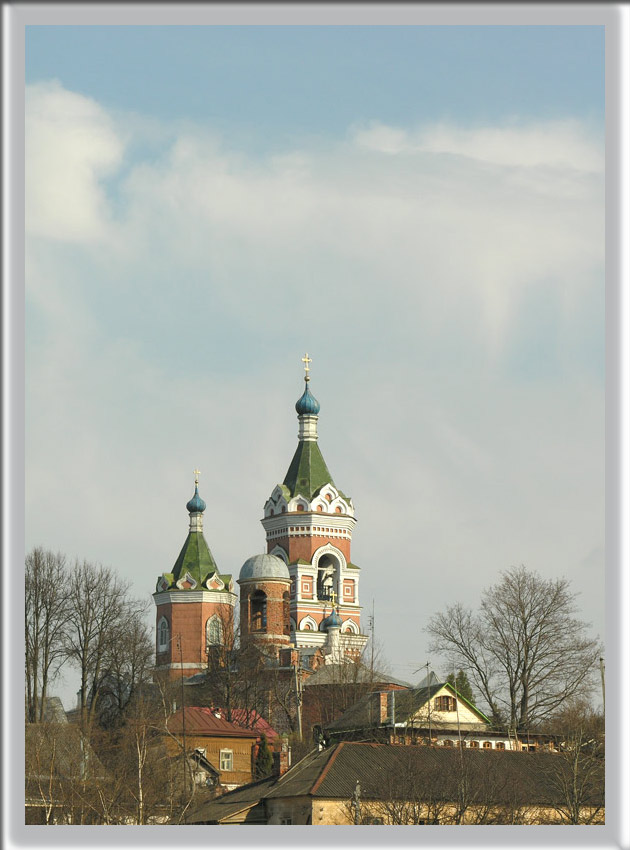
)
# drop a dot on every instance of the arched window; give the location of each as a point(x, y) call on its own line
point(326, 577)
point(258, 611)
point(163, 635)
point(214, 631)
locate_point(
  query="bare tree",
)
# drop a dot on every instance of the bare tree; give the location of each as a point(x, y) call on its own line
point(525, 651)
point(127, 667)
point(576, 774)
point(99, 611)
point(47, 613)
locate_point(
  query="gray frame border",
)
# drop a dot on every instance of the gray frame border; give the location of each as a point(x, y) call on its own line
point(616, 18)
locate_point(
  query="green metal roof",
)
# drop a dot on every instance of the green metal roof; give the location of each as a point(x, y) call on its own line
point(195, 558)
point(308, 471)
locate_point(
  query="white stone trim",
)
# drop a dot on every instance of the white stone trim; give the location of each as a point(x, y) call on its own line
point(281, 524)
point(307, 427)
point(279, 552)
point(310, 621)
point(349, 627)
point(163, 647)
point(187, 665)
point(189, 578)
point(193, 596)
point(220, 584)
point(329, 549)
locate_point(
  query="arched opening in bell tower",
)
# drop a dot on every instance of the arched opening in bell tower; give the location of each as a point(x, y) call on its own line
point(258, 611)
point(327, 578)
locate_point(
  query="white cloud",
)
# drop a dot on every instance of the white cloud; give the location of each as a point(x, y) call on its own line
point(71, 146)
point(169, 332)
point(556, 144)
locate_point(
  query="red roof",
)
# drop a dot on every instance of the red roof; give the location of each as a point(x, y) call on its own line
point(251, 720)
point(203, 721)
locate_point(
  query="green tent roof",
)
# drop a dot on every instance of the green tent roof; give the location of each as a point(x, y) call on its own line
point(308, 471)
point(195, 558)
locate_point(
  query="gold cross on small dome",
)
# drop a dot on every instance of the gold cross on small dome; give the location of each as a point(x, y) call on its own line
point(306, 360)
point(197, 474)
point(332, 596)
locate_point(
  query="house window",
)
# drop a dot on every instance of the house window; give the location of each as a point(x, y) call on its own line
point(286, 821)
point(163, 635)
point(214, 631)
point(474, 745)
point(445, 703)
point(448, 743)
point(487, 745)
point(499, 745)
point(226, 760)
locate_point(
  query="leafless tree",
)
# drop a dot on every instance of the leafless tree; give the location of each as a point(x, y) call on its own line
point(100, 609)
point(525, 650)
point(46, 621)
point(576, 773)
point(127, 668)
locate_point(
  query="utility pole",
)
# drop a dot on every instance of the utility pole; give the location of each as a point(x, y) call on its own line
point(298, 695)
point(601, 670)
point(372, 641)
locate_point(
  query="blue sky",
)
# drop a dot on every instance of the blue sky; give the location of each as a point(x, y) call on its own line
point(283, 82)
point(421, 208)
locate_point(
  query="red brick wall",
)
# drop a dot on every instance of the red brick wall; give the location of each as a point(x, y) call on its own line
point(276, 610)
point(188, 620)
point(305, 547)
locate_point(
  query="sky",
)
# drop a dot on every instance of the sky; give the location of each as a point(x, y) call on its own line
point(421, 208)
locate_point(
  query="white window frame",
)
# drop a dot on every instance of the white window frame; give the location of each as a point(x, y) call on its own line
point(226, 757)
point(163, 628)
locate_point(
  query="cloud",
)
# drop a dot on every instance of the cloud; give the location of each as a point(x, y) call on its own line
point(71, 146)
point(555, 144)
point(447, 281)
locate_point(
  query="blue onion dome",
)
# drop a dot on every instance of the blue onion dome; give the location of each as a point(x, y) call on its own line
point(307, 404)
point(264, 566)
point(196, 505)
point(333, 620)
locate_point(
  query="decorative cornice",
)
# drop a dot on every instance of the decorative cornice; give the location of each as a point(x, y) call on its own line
point(194, 596)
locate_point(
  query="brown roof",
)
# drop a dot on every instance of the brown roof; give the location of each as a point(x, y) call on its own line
point(240, 801)
point(199, 720)
point(387, 771)
point(399, 771)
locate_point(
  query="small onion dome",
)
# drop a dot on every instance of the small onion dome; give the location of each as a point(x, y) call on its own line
point(332, 621)
point(196, 505)
point(307, 404)
point(264, 567)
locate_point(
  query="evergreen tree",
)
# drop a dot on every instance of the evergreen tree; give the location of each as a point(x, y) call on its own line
point(264, 759)
point(461, 685)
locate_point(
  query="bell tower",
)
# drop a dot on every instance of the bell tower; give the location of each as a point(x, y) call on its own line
point(194, 603)
point(309, 522)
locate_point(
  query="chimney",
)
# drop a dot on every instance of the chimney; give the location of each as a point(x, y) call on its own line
point(383, 712)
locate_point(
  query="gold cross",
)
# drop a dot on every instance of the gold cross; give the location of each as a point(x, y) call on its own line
point(197, 474)
point(306, 360)
point(332, 596)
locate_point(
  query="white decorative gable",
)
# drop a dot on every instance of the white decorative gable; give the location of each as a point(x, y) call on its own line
point(187, 578)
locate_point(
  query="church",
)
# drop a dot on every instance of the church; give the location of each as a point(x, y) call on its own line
point(299, 600)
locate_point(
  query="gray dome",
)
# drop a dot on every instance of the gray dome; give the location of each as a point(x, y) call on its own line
point(264, 567)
